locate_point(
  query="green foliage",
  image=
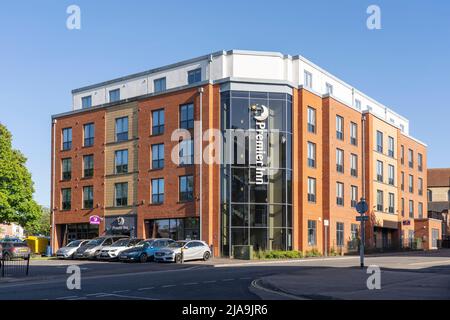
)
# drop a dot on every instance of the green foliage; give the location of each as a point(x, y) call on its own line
point(313, 253)
point(16, 187)
point(278, 254)
point(41, 226)
point(333, 252)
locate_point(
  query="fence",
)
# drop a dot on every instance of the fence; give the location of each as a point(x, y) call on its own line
point(16, 267)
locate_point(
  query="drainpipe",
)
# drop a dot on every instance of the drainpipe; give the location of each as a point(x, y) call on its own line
point(363, 175)
point(53, 237)
point(200, 91)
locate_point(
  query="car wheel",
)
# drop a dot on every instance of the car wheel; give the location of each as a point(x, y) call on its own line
point(143, 258)
point(206, 256)
point(6, 257)
point(178, 258)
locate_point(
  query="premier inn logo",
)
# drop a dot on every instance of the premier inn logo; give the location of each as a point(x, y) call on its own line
point(260, 114)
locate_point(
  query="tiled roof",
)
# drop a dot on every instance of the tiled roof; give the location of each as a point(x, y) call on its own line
point(439, 177)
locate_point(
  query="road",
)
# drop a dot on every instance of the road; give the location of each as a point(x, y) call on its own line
point(405, 275)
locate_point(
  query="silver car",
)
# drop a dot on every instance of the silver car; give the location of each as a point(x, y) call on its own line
point(184, 250)
point(69, 250)
point(92, 249)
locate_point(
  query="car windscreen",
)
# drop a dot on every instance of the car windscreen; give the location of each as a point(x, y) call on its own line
point(121, 243)
point(177, 244)
point(95, 242)
point(19, 244)
point(75, 243)
point(143, 242)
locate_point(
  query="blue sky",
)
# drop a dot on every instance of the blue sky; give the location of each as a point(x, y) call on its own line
point(405, 65)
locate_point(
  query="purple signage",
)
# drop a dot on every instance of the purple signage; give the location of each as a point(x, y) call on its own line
point(94, 220)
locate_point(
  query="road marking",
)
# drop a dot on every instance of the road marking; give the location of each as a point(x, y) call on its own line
point(257, 286)
point(225, 265)
point(149, 288)
point(429, 262)
point(130, 297)
point(95, 294)
point(190, 283)
point(227, 279)
point(168, 286)
point(121, 291)
point(68, 297)
point(210, 281)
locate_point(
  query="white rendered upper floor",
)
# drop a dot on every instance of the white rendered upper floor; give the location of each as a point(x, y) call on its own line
point(241, 66)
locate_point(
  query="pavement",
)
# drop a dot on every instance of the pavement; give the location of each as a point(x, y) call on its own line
point(412, 275)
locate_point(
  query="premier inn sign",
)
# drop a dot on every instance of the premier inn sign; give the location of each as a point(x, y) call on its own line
point(260, 114)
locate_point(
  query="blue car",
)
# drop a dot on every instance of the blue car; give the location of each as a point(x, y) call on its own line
point(144, 250)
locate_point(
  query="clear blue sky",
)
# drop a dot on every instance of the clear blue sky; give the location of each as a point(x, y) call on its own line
point(406, 65)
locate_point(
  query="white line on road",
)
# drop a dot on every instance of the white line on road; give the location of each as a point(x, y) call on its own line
point(95, 294)
point(168, 286)
point(149, 288)
point(190, 283)
point(68, 297)
point(286, 295)
point(437, 262)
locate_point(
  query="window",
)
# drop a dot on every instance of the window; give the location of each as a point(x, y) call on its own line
point(420, 187)
point(391, 179)
point(410, 158)
point(311, 233)
point(88, 197)
point(308, 79)
point(329, 89)
point(403, 207)
point(430, 195)
point(158, 156)
point(67, 139)
point(420, 161)
point(89, 132)
point(86, 102)
point(420, 209)
point(194, 76)
point(114, 95)
point(353, 133)
point(157, 191)
point(354, 198)
point(186, 188)
point(311, 190)
point(354, 165)
point(88, 166)
point(391, 147)
point(339, 194)
point(340, 160)
point(411, 209)
point(66, 195)
point(158, 122)
point(411, 183)
point(380, 141)
point(379, 171)
point(340, 234)
point(402, 154)
point(66, 165)
point(186, 153)
point(187, 116)
point(402, 186)
point(121, 194)
point(311, 155)
point(121, 161)
point(311, 120)
point(358, 104)
point(391, 203)
point(122, 129)
point(339, 127)
point(160, 84)
point(380, 200)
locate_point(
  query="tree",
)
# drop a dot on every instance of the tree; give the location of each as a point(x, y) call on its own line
point(41, 226)
point(16, 187)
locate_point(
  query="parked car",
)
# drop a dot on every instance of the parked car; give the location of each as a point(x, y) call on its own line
point(14, 250)
point(68, 251)
point(93, 247)
point(145, 250)
point(190, 249)
point(112, 252)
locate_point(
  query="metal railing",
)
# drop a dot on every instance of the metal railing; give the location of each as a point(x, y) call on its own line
point(14, 267)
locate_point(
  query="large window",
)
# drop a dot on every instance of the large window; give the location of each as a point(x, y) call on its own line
point(122, 129)
point(186, 187)
point(67, 139)
point(420, 161)
point(66, 165)
point(66, 199)
point(379, 171)
point(402, 185)
point(311, 120)
point(89, 132)
point(354, 165)
point(121, 161)
point(340, 160)
point(158, 156)
point(380, 200)
point(194, 76)
point(339, 193)
point(391, 203)
point(88, 197)
point(160, 84)
point(353, 133)
point(391, 149)
point(158, 122)
point(411, 209)
point(420, 209)
point(311, 233)
point(186, 152)
point(340, 234)
point(308, 79)
point(86, 102)
point(410, 158)
point(311, 190)
point(391, 178)
point(157, 191)
point(420, 186)
point(403, 207)
point(354, 198)
point(380, 141)
point(114, 95)
point(402, 154)
point(311, 155)
point(411, 184)
point(176, 229)
point(121, 194)
point(339, 128)
point(187, 116)
point(88, 166)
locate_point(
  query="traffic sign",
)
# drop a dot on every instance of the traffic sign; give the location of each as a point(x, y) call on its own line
point(362, 207)
point(362, 218)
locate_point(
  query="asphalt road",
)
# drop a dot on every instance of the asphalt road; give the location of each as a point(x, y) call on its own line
point(226, 280)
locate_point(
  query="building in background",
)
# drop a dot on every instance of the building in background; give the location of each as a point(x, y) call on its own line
point(118, 167)
point(439, 197)
point(11, 231)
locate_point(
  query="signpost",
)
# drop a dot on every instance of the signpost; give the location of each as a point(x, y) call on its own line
point(326, 224)
point(362, 208)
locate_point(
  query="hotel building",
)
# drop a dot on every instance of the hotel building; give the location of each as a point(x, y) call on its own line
point(122, 165)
